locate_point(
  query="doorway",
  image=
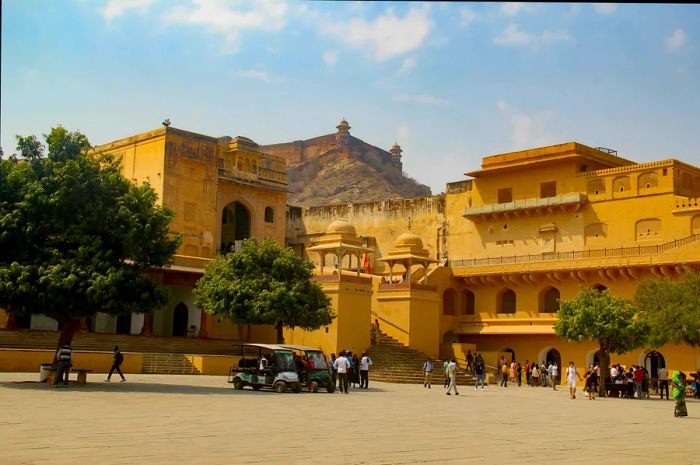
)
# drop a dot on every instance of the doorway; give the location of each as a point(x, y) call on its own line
point(180, 318)
point(124, 324)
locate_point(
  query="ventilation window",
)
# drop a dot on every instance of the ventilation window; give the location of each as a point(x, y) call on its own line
point(269, 215)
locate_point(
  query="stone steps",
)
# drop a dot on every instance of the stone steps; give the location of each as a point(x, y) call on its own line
point(169, 364)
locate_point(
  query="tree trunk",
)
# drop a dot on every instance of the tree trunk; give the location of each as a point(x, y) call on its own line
point(604, 368)
point(68, 329)
point(280, 333)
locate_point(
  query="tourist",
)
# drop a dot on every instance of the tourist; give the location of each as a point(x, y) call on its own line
point(428, 372)
point(372, 334)
point(535, 375)
point(480, 371)
point(64, 355)
point(365, 363)
point(334, 370)
point(645, 383)
point(571, 375)
point(638, 378)
point(470, 362)
point(116, 364)
point(543, 374)
point(662, 373)
point(591, 377)
point(680, 409)
point(527, 371)
point(518, 373)
point(629, 385)
point(445, 364)
point(512, 371)
point(452, 373)
point(377, 331)
point(355, 371)
point(504, 375)
point(554, 374)
point(342, 365)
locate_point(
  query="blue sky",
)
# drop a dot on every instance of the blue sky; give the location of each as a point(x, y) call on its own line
point(449, 82)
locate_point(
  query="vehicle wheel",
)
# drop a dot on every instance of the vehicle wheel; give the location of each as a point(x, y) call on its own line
point(296, 388)
point(314, 386)
point(237, 384)
point(256, 387)
point(330, 387)
point(280, 386)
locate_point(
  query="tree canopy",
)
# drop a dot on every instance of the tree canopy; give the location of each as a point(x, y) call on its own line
point(76, 236)
point(263, 284)
point(672, 309)
point(604, 318)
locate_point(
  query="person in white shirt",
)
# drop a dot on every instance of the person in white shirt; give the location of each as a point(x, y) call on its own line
point(342, 364)
point(663, 382)
point(452, 374)
point(554, 374)
point(365, 363)
point(571, 375)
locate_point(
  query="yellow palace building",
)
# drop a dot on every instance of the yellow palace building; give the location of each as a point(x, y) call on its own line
point(481, 267)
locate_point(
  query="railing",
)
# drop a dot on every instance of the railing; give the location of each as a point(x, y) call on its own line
point(580, 254)
point(405, 286)
point(346, 278)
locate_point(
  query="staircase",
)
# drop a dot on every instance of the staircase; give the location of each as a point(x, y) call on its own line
point(101, 342)
point(393, 362)
point(168, 364)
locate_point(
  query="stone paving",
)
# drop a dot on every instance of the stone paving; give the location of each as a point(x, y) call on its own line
point(168, 419)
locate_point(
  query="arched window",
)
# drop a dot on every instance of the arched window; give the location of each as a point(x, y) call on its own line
point(449, 298)
point(469, 308)
point(269, 215)
point(549, 301)
point(506, 301)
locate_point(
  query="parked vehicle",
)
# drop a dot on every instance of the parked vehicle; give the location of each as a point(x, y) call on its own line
point(316, 373)
point(265, 366)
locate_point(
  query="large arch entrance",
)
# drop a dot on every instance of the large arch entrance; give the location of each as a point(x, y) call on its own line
point(652, 362)
point(180, 317)
point(235, 225)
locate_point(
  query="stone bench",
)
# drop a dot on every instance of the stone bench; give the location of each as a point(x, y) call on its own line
point(82, 374)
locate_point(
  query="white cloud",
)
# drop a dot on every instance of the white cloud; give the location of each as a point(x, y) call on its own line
point(407, 65)
point(512, 36)
point(676, 40)
point(330, 57)
point(421, 99)
point(385, 36)
point(605, 8)
point(257, 74)
point(467, 16)
point(511, 9)
point(403, 132)
point(116, 8)
point(222, 17)
point(528, 130)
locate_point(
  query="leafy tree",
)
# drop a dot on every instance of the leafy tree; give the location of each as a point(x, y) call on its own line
point(672, 309)
point(602, 317)
point(76, 237)
point(264, 284)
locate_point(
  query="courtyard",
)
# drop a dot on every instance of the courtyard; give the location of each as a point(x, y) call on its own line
point(169, 419)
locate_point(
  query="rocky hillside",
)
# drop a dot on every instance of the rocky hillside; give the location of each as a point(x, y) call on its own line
point(348, 181)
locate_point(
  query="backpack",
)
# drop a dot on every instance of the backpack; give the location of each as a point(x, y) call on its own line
point(118, 358)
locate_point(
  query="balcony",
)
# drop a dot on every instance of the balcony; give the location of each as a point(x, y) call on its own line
point(527, 207)
point(270, 178)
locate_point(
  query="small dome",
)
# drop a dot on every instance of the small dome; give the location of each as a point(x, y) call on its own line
point(343, 124)
point(341, 227)
point(410, 240)
point(396, 147)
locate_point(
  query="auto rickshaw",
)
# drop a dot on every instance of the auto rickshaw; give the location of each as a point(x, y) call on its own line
point(265, 366)
point(317, 374)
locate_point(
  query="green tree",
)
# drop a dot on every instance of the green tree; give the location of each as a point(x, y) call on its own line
point(610, 321)
point(672, 309)
point(264, 284)
point(76, 237)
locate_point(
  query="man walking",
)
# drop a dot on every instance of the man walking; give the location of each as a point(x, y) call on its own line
point(365, 363)
point(64, 355)
point(445, 364)
point(343, 366)
point(116, 364)
point(479, 370)
point(470, 362)
point(428, 372)
point(452, 374)
point(663, 382)
point(554, 374)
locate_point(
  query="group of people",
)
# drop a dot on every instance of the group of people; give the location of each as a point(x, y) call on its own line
point(64, 362)
point(349, 370)
point(536, 374)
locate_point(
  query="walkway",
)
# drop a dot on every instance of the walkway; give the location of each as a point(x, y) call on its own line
point(161, 419)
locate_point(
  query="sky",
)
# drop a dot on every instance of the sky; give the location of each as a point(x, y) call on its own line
point(450, 82)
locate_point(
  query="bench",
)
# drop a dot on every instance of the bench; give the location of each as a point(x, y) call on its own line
point(82, 374)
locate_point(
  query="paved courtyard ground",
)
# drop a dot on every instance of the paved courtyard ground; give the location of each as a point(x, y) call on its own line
point(161, 419)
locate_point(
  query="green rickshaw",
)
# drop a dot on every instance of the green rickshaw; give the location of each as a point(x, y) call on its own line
point(317, 373)
point(265, 366)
